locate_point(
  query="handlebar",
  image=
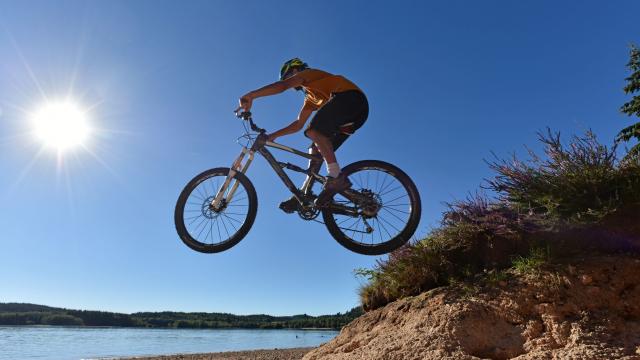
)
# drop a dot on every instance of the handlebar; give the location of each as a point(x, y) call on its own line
point(246, 116)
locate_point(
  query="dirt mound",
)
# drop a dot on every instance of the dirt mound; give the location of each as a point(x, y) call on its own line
point(587, 308)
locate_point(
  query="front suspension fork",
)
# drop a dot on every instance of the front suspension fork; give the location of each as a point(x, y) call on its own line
point(237, 166)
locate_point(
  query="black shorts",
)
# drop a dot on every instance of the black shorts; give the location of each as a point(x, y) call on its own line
point(344, 113)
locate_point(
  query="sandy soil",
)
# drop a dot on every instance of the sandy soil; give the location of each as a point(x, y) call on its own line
point(581, 308)
point(278, 354)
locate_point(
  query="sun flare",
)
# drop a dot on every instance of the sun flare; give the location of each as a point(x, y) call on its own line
point(61, 125)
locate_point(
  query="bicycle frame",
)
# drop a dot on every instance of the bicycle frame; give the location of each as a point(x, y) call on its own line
point(260, 146)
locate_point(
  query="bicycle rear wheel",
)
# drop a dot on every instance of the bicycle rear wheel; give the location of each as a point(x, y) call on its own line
point(379, 213)
point(208, 230)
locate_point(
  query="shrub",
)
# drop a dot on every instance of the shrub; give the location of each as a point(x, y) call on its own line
point(578, 198)
point(583, 182)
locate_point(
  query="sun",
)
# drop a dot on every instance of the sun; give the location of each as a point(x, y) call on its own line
point(61, 125)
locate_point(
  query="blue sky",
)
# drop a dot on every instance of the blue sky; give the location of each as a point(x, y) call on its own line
point(448, 83)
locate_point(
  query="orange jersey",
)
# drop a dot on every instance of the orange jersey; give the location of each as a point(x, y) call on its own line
point(320, 85)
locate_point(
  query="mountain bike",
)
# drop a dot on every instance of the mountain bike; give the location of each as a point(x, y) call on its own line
point(376, 215)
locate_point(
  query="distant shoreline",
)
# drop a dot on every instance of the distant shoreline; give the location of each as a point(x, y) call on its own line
point(275, 354)
point(34, 314)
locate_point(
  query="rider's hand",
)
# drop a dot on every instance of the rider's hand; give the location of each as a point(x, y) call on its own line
point(245, 103)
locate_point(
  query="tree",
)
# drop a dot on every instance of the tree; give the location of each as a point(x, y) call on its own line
point(633, 106)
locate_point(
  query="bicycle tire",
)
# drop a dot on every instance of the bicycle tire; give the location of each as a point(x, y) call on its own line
point(403, 236)
point(233, 239)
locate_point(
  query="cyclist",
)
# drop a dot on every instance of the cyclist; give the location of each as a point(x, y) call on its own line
point(341, 108)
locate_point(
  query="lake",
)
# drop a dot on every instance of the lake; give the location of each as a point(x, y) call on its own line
point(66, 343)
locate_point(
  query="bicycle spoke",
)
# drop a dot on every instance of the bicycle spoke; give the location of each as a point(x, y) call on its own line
point(384, 227)
point(204, 183)
point(361, 183)
point(384, 181)
point(236, 200)
point(198, 197)
point(400, 211)
point(390, 224)
point(218, 226)
point(210, 228)
point(344, 221)
point(400, 197)
point(354, 222)
point(392, 190)
point(199, 219)
point(353, 231)
point(199, 224)
point(386, 186)
point(394, 215)
point(230, 218)
point(200, 193)
point(199, 216)
point(225, 226)
point(379, 231)
point(377, 176)
point(231, 223)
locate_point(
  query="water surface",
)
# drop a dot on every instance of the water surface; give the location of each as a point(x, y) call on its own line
point(72, 343)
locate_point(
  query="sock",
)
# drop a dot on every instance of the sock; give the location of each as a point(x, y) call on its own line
point(333, 169)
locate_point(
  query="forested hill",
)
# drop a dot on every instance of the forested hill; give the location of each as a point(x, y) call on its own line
point(31, 314)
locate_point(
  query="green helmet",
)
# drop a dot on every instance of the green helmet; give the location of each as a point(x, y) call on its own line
point(294, 63)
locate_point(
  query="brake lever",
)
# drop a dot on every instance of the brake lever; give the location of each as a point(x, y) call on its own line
point(244, 115)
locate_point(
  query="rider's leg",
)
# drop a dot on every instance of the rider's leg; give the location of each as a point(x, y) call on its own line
point(324, 145)
point(290, 205)
point(324, 130)
point(314, 167)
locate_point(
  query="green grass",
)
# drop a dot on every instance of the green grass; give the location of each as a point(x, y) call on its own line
point(532, 263)
point(494, 277)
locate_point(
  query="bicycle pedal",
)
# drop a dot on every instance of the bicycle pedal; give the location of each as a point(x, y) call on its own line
point(289, 206)
point(287, 209)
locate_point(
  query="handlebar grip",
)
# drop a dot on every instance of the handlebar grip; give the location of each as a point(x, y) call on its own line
point(245, 115)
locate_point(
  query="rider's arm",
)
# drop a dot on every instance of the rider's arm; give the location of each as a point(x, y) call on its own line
point(296, 125)
point(275, 88)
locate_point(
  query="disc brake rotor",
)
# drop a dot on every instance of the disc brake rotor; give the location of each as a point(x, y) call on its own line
point(209, 211)
point(371, 204)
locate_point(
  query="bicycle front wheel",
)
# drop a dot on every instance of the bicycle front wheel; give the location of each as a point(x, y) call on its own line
point(379, 213)
point(206, 229)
